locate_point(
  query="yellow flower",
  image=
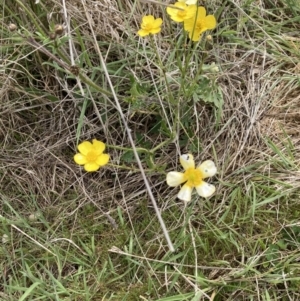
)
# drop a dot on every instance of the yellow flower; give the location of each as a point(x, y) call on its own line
point(193, 178)
point(179, 15)
point(150, 25)
point(200, 23)
point(188, 2)
point(91, 155)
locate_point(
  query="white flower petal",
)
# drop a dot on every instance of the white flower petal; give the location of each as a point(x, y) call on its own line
point(185, 193)
point(190, 2)
point(175, 178)
point(205, 190)
point(208, 168)
point(187, 161)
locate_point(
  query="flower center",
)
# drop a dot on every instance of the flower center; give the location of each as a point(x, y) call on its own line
point(91, 156)
point(181, 13)
point(147, 26)
point(193, 177)
point(199, 25)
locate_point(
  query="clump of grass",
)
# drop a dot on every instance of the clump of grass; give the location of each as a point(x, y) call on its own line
point(68, 235)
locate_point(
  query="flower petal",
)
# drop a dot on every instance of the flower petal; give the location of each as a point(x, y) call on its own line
point(201, 12)
point(102, 159)
point(85, 147)
point(187, 161)
point(191, 11)
point(80, 159)
point(155, 30)
point(185, 13)
point(91, 166)
point(176, 14)
point(207, 168)
point(190, 2)
point(185, 193)
point(175, 178)
point(148, 19)
point(98, 146)
point(189, 24)
point(210, 22)
point(157, 22)
point(142, 33)
point(176, 18)
point(195, 36)
point(205, 190)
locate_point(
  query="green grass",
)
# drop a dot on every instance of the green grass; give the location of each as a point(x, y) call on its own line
point(71, 235)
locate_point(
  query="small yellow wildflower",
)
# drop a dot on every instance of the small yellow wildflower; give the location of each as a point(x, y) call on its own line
point(200, 23)
point(188, 2)
point(179, 15)
point(193, 178)
point(91, 155)
point(150, 25)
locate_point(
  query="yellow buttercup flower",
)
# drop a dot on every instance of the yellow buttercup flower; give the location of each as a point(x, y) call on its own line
point(150, 25)
point(193, 178)
point(199, 24)
point(91, 155)
point(185, 12)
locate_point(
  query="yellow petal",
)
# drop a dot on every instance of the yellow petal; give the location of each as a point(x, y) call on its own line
point(175, 178)
point(98, 146)
point(201, 12)
point(142, 33)
point(187, 161)
point(157, 22)
point(80, 159)
point(185, 193)
point(188, 2)
point(171, 11)
point(180, 4)
point(102, 159)
point(155, 30)
point(205, 190)
point(210, 22)
point(85, 147)
point(176, 18)
point(176, 14)
point(195, 36)
point(191, 11)
point(208, 169)
point(148, 19)
point(185, 13)
point(189, 24)
point(91, 167)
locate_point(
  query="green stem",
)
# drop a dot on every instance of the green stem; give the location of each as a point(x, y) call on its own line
point(160, 63)
point(159, 146)
point(89, 82)
point(32, 17)
point(172, 101)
